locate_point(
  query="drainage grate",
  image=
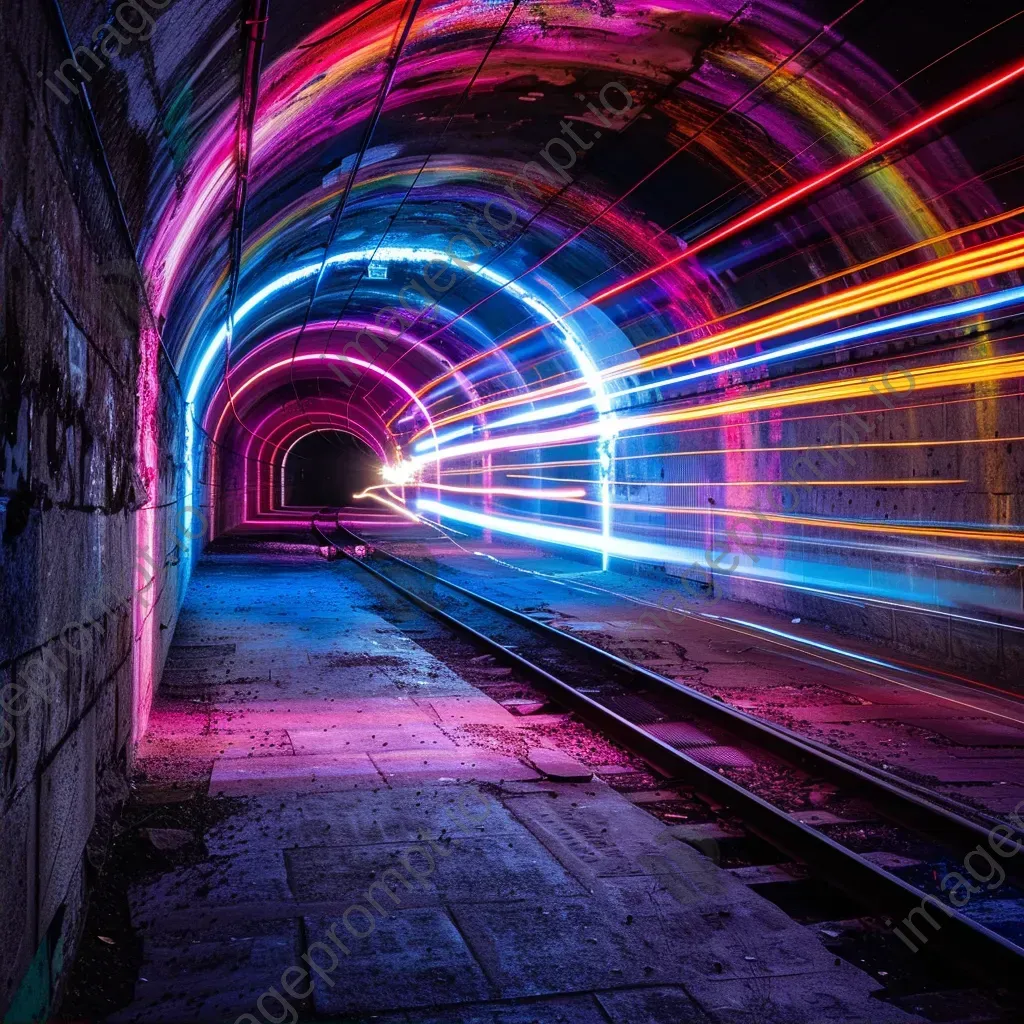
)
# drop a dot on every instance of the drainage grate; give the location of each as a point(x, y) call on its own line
point(635, 709)
point(722, 757)
point(680, 735)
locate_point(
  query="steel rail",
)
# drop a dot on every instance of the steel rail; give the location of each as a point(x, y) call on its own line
point(908, 808)
point(961, 940)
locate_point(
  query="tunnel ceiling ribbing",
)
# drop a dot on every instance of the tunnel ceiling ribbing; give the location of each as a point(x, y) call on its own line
point(515, 230)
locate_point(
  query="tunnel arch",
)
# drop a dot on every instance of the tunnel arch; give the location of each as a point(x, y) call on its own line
point(265, 465)
point(693, 290)
point(661, 280)
point(584, 362)
point(349, 458)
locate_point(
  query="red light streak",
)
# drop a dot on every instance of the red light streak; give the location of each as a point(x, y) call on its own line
point(787, 197)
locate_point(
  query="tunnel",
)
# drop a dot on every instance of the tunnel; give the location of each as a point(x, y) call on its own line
point(327, 468)
point(512, 510)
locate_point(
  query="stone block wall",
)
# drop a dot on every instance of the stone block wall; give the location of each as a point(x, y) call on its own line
point(71, 316)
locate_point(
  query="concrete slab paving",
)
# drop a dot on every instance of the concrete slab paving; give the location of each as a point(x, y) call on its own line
point(341, 738)
point(342, 708)
point(964, 769)
point(475, 708)
point(974, 732)
point(652, 1006)
point(414, 767)
point(414, 957)
point(197, 982)
point(295, 774)
point(359, 818)
point(546, 946)
point(529, 900)
point(1008, 797)
point(556, 765)
point(849, 713)
point(481, 869)
point(571, 1010)
point(216, 882)
point(596, 832)
point(814, 998)
point(717, 928)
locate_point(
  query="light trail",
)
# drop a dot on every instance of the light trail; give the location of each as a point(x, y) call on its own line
point(820, 522)
point(861, 582)
point(777, 203)
point(393, 505)
point(925, 378)
point(746, 449)
point(619, 482)
point(819, 282)
point(662, 164)
point(256, 376)
point(514, 492)
point(744, 630)
point(419, 255)
point(719, 621)
point(961, 268)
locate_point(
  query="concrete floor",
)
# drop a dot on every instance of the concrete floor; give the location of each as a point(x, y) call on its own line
point(336, 761)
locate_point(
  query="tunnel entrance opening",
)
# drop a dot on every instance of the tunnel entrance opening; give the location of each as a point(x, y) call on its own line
point(327, 468)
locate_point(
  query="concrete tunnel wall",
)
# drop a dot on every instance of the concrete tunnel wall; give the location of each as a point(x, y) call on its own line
point(70, 326)
point(801, 452)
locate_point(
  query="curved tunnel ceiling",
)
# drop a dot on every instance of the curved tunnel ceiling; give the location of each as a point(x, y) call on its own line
point(489, 236)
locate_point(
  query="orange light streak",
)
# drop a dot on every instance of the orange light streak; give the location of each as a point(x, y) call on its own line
point(514, 492)
point(969, 265)
point(925, 378)
point(912, 482)
point(818, 282)
point(781, 200)
point(929, 532)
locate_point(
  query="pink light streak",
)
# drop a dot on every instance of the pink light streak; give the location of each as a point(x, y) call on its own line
point(148, 561)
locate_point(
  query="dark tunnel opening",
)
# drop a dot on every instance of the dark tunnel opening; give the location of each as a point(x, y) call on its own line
point(329, 467)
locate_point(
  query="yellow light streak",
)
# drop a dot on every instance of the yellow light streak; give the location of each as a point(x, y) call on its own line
point(960, 268)
point(929, 532)
point(910, 482)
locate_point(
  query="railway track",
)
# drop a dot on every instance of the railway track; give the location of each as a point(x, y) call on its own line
point(707, 745)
